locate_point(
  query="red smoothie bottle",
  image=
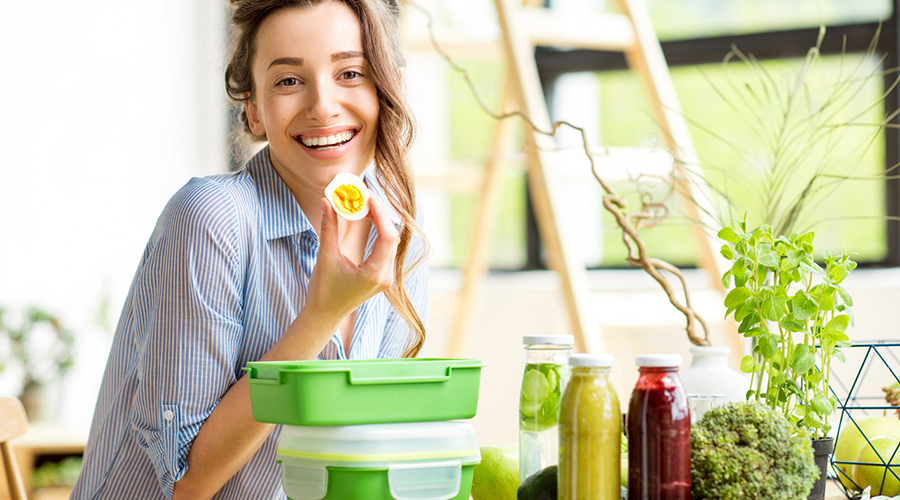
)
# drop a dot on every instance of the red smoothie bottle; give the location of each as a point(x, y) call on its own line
point(659, 432)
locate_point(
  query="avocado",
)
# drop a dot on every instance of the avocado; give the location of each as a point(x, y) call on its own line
point(539, 486)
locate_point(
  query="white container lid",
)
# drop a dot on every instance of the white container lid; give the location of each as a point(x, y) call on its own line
point(548, 339)
point(659, 360)
point(378, 445)
point(591, 360)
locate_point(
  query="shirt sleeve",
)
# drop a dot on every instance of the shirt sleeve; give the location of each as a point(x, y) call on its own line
point(398, 334)
point(187, 323)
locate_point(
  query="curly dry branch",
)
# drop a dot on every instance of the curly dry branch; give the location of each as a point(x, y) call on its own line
point(612, 202)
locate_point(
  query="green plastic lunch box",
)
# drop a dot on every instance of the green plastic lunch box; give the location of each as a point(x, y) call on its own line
point(354, 392)
point(408, 461)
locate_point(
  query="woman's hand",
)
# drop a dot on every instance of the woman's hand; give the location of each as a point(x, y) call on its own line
point(338, 285)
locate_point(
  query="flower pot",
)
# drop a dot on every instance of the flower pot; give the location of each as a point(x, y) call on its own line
point(822, 449)
point(709, 373)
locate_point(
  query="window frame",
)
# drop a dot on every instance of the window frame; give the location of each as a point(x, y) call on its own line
point(552, 63)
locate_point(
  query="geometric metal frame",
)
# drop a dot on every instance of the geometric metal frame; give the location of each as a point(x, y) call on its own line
point(875, 351)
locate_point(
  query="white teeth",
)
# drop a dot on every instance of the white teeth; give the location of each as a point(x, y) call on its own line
point(332, 140)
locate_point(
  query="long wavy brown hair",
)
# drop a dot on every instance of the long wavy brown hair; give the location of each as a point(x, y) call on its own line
point(378, 21)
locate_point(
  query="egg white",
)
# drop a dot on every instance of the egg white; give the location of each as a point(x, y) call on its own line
point(348, 178)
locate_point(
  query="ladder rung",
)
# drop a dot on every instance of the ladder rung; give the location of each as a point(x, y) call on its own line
point(582, 30)
point(455, 175)
point(455, 46)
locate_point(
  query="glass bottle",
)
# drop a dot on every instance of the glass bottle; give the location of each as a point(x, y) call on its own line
point(590, 429)
point(659, 432)
point(543, 382)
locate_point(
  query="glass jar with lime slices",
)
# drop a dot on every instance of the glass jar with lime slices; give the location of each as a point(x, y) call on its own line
point(543, 383)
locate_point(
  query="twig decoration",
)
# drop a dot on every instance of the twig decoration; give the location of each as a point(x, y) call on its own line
point(650, 214)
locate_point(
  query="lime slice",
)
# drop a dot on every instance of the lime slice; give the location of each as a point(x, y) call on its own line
point(535, 386)
point(529, 408)
point(552, 376)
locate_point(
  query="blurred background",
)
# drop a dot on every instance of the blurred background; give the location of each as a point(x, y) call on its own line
point(112, 105)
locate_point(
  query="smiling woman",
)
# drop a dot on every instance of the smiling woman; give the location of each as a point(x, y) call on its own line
point(257, 265)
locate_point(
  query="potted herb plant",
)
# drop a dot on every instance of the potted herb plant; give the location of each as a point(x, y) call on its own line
point(798, 314)
point(36, 350)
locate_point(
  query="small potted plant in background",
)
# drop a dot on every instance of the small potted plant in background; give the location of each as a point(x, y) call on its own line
point(36, 350)
point(798, 315)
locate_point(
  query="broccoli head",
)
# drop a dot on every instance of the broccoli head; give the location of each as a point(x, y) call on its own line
point(749, 451)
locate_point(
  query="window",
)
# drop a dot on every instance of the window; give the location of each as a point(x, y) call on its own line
point(695, 46)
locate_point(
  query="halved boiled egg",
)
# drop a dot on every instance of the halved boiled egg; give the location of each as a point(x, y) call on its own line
point(349, 196)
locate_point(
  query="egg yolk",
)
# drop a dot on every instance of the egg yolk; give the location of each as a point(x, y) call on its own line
point(348, 199)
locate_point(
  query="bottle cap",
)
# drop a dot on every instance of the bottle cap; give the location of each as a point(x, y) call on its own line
point(659, 360)
point(591, 360)
point(548, 339)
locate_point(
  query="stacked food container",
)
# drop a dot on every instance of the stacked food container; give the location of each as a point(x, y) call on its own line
point(373, 429)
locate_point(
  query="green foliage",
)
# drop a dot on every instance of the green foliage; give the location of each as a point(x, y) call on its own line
point(749, 451)
point(38, 344)
point(57, 474)
point(799, 324)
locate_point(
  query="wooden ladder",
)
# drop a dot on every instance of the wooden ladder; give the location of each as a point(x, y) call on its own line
point(523, 28)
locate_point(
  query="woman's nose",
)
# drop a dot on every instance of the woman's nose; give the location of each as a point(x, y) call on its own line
point(322, 104)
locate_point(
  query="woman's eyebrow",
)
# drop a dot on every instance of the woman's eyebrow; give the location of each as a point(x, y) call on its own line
point(350, 54)
point(291, 61)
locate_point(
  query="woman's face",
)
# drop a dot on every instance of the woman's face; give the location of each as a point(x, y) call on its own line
point(314, 96)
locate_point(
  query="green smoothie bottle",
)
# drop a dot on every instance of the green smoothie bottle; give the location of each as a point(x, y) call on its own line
point(545, 378)
point(590, 429)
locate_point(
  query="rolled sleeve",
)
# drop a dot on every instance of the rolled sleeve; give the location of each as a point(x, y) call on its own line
point(188, 325)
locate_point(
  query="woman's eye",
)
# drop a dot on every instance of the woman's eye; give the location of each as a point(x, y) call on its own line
point(351, 75)
point(287, 82)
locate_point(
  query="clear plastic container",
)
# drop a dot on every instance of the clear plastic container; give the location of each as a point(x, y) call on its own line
point(408, 461)
point(590, 430)
point(659, 432)
point(543, 382)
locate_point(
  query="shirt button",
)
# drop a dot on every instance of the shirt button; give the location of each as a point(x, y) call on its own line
point(168, 415)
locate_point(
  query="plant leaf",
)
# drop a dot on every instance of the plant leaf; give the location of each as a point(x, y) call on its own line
point(728, 234)
point(804, 305)
point(835, 335)
point(767, 256)
point(793, 326)
point(748, 323)
point(748, 364)
point(737, 297)
point(768, 345)
point(727, 252)
point(755, 332)
point(838, 323)
point(821, 405)
point(845, 296)
point(802, 360)
point(774, 308)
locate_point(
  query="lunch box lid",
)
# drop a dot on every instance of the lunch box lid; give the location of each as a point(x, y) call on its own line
point(378, 445)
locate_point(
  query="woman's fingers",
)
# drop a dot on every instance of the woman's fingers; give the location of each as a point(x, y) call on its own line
point(381, 260)
point(329, 239)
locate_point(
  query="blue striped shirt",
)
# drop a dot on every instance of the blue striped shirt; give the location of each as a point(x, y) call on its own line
point(223, 275)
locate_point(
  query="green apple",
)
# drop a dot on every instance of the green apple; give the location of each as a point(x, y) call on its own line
point(873, 475)
point(623, 471)
point(850, 442)
point(497, 476)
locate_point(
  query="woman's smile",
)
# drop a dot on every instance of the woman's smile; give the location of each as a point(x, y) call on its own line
point(327, 144)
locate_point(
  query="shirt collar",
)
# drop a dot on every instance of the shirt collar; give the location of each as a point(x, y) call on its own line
point(281, 214)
